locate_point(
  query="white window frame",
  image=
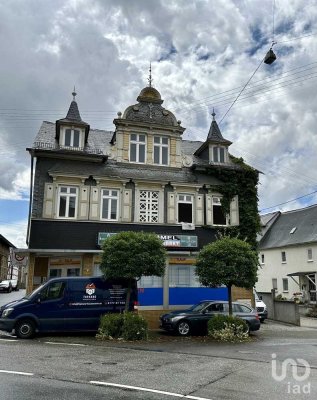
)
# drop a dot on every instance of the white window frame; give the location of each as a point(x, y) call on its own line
point(216, 201)
point(149, 206)
point(274, 283)
point(185, 201)
point(283, 257)
point(285, 280)
point(160, 146)
point(109, 197)
point(68, 195)
point(217, 148)
point(310, 255)
point(72, 129)
point(138, 143)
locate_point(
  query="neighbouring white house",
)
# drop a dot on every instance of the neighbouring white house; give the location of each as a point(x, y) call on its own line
point(288, 254)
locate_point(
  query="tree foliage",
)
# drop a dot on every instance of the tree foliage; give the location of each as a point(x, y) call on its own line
point(131, 255)
point(229, 262)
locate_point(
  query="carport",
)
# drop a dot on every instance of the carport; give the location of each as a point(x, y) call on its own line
point(307, 284)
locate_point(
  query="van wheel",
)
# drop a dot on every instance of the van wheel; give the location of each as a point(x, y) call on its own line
point(25, 329)
point(183, 328)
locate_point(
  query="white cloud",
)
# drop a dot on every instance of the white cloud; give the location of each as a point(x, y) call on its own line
point(199, 50)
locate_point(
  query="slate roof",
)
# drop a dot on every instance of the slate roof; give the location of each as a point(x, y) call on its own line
point(73, 115)
point(127, 171)
point(266, 221)
point(98, 140)
point(305, 222)
point(214, 134)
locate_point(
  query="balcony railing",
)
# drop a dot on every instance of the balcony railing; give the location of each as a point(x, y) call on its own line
point(57, 147)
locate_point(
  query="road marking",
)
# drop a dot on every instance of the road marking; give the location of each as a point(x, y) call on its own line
point(3, 371)
point(147, 390)
point(66, 344)
point(9, 340)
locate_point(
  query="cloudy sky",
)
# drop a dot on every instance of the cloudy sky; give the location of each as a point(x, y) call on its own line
point(202, 52)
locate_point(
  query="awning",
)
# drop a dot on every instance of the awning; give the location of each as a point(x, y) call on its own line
point(302, 273)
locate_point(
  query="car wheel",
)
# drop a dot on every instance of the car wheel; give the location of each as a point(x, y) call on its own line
point(25, 329)
point(183, 328)
point(247, 329)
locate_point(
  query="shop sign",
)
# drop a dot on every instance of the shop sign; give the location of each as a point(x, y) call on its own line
point(65, 261)
point(170, 241)
point(182, 260)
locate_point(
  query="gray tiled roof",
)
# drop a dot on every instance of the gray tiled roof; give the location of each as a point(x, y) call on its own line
point(214, 134)
point(97, 139)
point(99, 142)
point(134, 172)
point(305, 222)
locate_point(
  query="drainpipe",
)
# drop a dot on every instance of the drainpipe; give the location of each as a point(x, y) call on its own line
point(31, 199)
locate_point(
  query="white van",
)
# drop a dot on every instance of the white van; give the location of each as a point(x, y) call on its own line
point(260, 306)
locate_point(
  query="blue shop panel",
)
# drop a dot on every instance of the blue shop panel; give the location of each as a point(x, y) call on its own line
point(150, 296)
point(193, 295)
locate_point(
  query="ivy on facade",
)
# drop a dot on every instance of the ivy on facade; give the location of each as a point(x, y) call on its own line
point(243, 182)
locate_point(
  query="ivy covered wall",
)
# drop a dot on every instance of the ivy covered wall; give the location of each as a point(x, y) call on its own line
point(242, 182)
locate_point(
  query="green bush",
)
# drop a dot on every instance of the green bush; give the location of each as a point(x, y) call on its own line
point(110, 326)
point(228, 328)
point(127, 326)
point(312, 312)
point(280, 297)
point(134, 327)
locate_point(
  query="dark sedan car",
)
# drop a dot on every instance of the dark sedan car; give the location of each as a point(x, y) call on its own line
point(195, 318)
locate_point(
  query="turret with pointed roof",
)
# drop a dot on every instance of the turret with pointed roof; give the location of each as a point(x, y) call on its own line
point(214, 139)
point(72, 118)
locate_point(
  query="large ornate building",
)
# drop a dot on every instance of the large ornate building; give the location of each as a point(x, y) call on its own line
point(90, 183)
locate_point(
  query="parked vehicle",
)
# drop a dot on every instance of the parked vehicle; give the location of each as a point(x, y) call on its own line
point(260, 306)
point(5, 286)
point(66, 305)
point(195, 318)
point(14, 284)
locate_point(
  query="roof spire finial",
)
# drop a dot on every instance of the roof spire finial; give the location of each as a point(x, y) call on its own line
point(150, 76)
point(74, 94)
point(213, 114)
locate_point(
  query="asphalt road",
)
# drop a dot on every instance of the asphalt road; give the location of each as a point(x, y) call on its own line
point(78, 367)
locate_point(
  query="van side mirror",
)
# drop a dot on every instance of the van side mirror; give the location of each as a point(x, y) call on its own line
point(260, 297)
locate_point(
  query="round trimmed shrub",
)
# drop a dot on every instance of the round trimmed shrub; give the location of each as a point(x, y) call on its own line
point(134, 327)
point(127, 326)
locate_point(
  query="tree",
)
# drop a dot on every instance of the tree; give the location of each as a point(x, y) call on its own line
point(131, 255)
point(227, 261)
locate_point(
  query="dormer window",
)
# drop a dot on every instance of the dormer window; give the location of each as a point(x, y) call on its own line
point(218, 154)
point(160, 152)
point(137, 148)
point(71, 137)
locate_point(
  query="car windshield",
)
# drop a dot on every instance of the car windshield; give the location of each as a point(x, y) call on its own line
point(198, 307)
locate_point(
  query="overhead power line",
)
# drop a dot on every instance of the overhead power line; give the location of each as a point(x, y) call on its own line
point(289, 201)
